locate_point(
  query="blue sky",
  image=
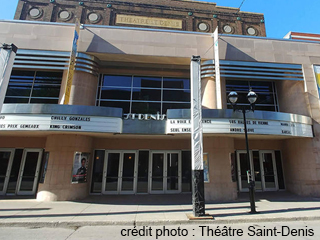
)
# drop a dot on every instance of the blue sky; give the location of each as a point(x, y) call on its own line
point(281, 16)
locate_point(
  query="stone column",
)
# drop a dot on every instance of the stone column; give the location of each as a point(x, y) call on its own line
point(48, 13)
point(239, 28)
point(189, 23)
point(21, 11)
point(208, 88)
point(57, 185)
point(83, 89)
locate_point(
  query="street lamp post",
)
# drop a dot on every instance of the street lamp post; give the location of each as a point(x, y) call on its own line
point(251, 97)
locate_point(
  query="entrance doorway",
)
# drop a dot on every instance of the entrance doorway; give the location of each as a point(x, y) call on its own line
point(165, 172)
point(120, 172)
point(19, 171)
point(263, 165)
point(140, 172)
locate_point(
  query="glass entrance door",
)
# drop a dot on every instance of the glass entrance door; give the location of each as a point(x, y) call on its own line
point(111, 173)
point(242, 171)
point(157, 172)
point(120, 174)
point(257, 173)
point(263, 167)
point(143, 172)
point(269, 171)
point(173, 173)
point(6, 157)
point(128, 172)
point(165, 172)
point(29, 171)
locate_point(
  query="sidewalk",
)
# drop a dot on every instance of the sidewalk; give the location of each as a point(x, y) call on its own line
point(153, 210)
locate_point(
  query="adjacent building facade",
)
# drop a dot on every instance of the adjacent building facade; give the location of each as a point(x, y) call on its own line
point(126, 129)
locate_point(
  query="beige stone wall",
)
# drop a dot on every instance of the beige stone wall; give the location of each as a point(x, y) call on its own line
point(301, 161)
point(57, 185)
point(169, 143)
point(256, 144)
point(221, 187)
point(295, 98)
point(22, 142)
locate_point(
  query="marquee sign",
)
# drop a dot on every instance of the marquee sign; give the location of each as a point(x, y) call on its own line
point(64, 123)
point(144, 116)
point(235, 126)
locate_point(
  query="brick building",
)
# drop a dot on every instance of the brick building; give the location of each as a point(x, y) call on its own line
point(166, 14)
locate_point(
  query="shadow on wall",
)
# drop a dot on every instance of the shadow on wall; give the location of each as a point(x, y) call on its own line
point(99, 44)
point(233, 53)
point(313, 102)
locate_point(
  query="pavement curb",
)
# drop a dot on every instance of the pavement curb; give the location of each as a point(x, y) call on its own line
point(77, 224)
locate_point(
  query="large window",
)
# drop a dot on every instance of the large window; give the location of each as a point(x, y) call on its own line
point(33, 87)
point(136, 94)
point(267, 97)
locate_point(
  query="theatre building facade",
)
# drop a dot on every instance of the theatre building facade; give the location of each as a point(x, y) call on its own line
point(126, 129)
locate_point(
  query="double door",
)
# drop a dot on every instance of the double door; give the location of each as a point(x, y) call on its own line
point(19, 171)
point(130, 172)
point(165, 172)
point(262, 166)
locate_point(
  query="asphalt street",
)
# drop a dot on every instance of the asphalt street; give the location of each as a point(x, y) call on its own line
point(270, 230)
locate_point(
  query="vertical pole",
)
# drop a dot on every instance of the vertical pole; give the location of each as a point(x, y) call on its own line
point(249, 173)
point(7, 56)
point(217, 68)
point(196, 139)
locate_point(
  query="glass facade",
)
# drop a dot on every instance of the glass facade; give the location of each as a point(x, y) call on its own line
point(33, 87)
point(267, 96)
point(136, 94)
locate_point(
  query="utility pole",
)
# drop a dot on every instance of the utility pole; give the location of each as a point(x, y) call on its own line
point(196, 139)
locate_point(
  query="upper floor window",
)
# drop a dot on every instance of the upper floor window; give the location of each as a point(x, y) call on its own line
point(267, 97)
point(140, 94)
point(33, 87)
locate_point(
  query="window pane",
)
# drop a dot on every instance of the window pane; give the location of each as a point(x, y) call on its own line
point(45, 91)
point(124, 105)
point(19, 90)
point(146, 94)
point(176, 83)
point(117, 81)
point(237, 86)
point(265, 98)
point(176, 95)
point(48, 77)
point(167, 106)
point(44, 100)
point(146, 107)
point(257, 107)
point(44, 87)
point(22, 76)
point(265, 108)
point(147, 82)
point(261, 86)
point(116, 93)
point(16, 100)
point(97, 172)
